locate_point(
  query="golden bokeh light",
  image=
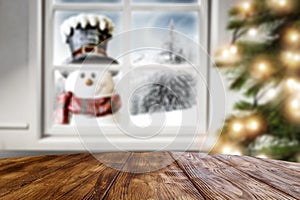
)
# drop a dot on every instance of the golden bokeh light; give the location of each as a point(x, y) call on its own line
point(292, 108)
point(228, 55)
point(252, 32)
point(291, 59)
point(292, 85)
point(230, 150)
point(262, 68)
point(292, 36)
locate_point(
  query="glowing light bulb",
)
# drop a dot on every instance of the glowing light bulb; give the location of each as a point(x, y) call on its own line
point(233, 49)
point(282, 3)
point(289, 55)
point(293, 36)
point(295, 104)
point(292, 109)
point(228, 54)
point(246, 6)
point(271, 93)
point(253, 125)
point(297, 57)
point(226, 150)
point(252, 32)
point(237, 126)
point(229, 150)
point(225, 53)
point(262, 67)
point(292, 85)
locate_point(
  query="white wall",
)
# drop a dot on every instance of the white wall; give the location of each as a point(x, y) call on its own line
point(14, 80)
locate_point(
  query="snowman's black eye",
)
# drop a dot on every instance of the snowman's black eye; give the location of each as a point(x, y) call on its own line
point(93, 75)
point(82, 75)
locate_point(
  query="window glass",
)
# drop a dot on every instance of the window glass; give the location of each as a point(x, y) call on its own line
point(176, 29)
point(161, 91)
point(61, 48)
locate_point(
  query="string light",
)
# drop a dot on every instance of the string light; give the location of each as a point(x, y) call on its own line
point(271, 93)
point(295, 104)
point(292, 85)
point(291, 59)
point(292, 36)
point(233, 49)
point(252, 32)
point(280, 4)
point(293, 109)
point(228, 54)
point(230, 150)
point(229, 51)
point(225, 53)
point(246, 6)
point(237, 126)
point(253, 125)
point(262, 69)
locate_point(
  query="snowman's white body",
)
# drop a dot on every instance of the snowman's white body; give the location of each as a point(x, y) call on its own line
point(89, 84)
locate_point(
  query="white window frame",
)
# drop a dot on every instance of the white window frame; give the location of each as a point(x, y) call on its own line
point(64, 136)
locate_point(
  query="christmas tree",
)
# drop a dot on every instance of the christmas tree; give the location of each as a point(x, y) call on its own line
point(172, 53)
point(263, 63)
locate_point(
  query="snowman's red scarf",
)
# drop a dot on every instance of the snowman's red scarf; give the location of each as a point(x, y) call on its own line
point(67, 103)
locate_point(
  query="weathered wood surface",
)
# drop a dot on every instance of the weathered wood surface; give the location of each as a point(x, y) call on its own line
point(156, 175)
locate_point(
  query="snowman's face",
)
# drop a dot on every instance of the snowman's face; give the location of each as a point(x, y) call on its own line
point(90, 84)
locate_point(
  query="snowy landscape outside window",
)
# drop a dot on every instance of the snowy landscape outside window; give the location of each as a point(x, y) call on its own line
point(172, 92)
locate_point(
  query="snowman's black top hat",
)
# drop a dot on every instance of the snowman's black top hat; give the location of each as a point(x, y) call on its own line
point(87, 37)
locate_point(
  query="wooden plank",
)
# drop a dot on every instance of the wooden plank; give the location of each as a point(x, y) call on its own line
point(75, 181)
point(12, 163)
point(168, 181)
point(21, 169)
point(217, 180)
point(286, 165)
point(5, 161)
point(19, 177)
point(281, 178)
point(98, 184)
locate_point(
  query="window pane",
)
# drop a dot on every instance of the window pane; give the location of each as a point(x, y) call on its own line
point(164, 91)
point(178, 29)
point(164, 1)
point(62, 50)
point(88, 1)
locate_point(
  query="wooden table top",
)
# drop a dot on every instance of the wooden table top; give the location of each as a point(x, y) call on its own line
point(166, 175)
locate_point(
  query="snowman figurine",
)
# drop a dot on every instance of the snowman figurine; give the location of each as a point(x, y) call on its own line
point(88, 93)
point(88, 97)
